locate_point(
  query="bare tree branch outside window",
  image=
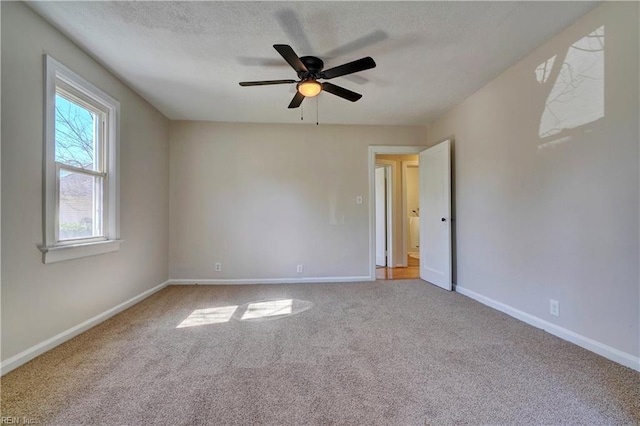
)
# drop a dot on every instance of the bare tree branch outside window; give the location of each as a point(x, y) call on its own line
point(74, 134)
point(75, 146)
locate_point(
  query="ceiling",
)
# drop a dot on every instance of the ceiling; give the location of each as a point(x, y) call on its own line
point(186, 58)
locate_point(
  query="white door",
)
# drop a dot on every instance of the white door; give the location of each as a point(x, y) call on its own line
point(435, 215)
point(381, 218)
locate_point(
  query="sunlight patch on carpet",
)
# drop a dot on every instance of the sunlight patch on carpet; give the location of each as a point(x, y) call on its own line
point(270, 308)
point(208, 316)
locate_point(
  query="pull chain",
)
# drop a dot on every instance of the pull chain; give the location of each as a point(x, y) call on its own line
point(301, 109)
point(316, 110)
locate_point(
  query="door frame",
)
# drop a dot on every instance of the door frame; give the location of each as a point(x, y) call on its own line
point(372, 152)
point(389, 172)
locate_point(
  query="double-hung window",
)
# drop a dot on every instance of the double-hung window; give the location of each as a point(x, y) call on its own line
point(80, 167)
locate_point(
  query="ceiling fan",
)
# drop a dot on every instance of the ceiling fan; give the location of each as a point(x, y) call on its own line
point(310, 69)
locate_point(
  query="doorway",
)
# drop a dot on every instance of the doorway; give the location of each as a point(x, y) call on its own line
point(399, 265)
point(396, 213)
point(433, 250)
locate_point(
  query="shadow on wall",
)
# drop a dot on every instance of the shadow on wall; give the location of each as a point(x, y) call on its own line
point(573, 90)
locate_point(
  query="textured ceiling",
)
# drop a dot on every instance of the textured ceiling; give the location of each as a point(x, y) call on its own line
point(186, 58)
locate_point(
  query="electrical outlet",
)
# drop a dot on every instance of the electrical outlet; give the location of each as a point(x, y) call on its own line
point(554, 308)
point(299, 269)
point(218, 266)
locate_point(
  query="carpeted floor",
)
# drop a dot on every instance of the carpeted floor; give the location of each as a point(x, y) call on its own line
point(387, 353)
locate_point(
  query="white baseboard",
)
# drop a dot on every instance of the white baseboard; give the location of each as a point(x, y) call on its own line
point(27, 355)
point(301, 280)
point(606, 351)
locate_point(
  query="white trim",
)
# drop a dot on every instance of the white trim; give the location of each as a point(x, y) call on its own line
point(61, 253)
point(80, 170)
point(601, 349)
point(48, 177)
point(54, 71)
point(234, 281)
point(373, 150)
point(42, 347)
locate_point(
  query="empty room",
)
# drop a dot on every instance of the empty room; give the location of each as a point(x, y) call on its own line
point(285, 213)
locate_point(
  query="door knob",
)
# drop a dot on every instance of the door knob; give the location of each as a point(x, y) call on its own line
point(443, 219)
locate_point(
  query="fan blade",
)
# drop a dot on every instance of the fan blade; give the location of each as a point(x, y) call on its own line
point(297, 100)
point(292, 27)
point(290, 56)
point(362, 42)
point(350, 68)
point(341, 91)
point(265, 82)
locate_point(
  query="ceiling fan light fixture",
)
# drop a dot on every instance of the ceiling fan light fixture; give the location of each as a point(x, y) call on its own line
point(309, 88)
point(309, 69)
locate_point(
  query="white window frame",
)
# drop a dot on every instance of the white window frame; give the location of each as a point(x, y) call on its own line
point(52, 249)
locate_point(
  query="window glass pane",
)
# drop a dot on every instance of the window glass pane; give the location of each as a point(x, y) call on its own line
point(76, 136)
point(80, 206)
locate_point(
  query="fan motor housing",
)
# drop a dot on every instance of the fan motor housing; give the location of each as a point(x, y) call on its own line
point(313, 64)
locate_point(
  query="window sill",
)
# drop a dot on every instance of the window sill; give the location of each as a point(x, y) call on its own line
point(76, 251)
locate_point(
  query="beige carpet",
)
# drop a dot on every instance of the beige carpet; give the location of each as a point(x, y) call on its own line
point(394, 352)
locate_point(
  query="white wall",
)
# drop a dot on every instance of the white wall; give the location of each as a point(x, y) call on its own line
point(555, 217)
point(263, 198)
point(40, 301)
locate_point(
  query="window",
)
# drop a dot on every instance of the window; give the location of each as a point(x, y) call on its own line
point(80, 167)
